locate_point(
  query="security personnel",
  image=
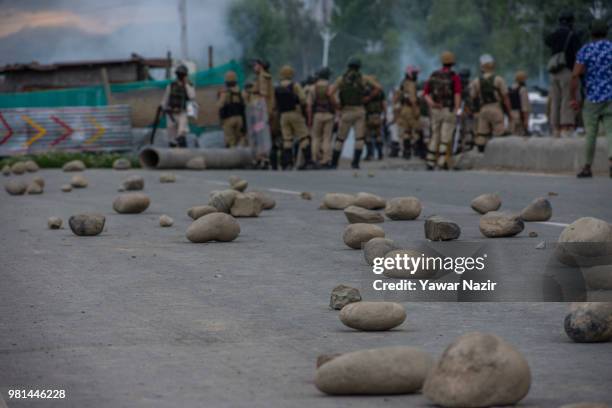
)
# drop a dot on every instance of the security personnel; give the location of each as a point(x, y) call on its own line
point(174, 103)
point(470, 111)
point(521, 107)
point(443, 95)
point(352, 92)
point(407, 110)
point(321, 118)
point(291, 100)
point(231, 111)
point(376, 114)
point(492, 92)
point(264, 89)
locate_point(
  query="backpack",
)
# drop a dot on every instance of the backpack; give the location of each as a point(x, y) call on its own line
point(488, 90)
point(375, 105)
point(178, 96)
point(514, 94)
point(557, 62)
point(322, 102)
point(352, 89)
point(286, 99)
point(441, 87)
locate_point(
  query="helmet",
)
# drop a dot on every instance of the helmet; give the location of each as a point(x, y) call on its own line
point(521, 76)
point(412, 69)
point(354, 62)
point(566, 16)
point(487, 61)
point(324, 73)
point(181, 70)
point(230, 76)
point(286, 72)
point(265, 64)
point(447, 58)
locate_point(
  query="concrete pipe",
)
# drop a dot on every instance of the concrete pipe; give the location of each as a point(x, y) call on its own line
point(167, 158)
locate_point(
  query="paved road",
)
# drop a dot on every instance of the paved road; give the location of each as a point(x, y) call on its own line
point(140, 317)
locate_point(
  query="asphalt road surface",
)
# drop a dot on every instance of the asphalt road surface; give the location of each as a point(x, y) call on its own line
point(140, 317)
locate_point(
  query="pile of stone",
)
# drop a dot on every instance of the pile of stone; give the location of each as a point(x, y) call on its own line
point(239, 204)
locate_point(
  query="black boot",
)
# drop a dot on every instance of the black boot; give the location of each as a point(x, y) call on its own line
point(407, 149)
point(287, 159)
point(586, 172)
point(379, 148)
point(181, 141)
point(369, 151)
point(356, 158)
point(274, 158)
point(335, 159)
point(307, 156)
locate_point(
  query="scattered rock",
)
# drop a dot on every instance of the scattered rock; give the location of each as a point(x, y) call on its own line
point(16, 187)
point(267, 201)
point(87, 224)
point(585, 238)
point(305, 195)
point(403, 208)
point(369, 201)
point(223, 200)
point(377, 248)
point(74, 165)
point(167, 178)
point(337, 201)
point(589, 322)
point(39, 180)
point(54, 222)
point(324, 358)
point(122, 164)
point(133, 183)
point(66, 188)
point(539, 210)
point(533, 234)
point(131, 203)
point(34, 188)
point(441, 229)
point(598, 277)
point(342, 295)
point(386, 371)
point(196, 163)
point(372, 316)
point(31, 166)
point(200, 211)
point(357, 234)
point(371, 174)
point(407, 273)
point(78, 181)
point(552, 194)
point(237, 183)
point(541, 245)
point(246, 205)
point(165, 221)
point(586, 405)
point(214, 227)
point(478, 370)
point(486, 202)
point(495, 224)
point(6, 170)
point(356, 214)
point(18, 168)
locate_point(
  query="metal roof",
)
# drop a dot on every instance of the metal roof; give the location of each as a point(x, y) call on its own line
point(135, 58)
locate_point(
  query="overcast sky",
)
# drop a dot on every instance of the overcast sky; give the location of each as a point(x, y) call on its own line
point(64, 30)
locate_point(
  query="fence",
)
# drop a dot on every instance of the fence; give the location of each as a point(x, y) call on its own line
point(94, 128)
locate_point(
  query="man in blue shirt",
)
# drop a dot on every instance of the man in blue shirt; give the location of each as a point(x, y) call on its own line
point(594, 61)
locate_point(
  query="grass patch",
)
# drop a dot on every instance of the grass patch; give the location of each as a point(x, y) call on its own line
point(54, 160)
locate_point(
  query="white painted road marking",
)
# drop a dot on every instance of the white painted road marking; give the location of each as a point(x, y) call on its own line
point(556, 224)
point(280, 190)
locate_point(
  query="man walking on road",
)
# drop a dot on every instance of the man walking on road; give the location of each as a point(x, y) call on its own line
point(594, 61)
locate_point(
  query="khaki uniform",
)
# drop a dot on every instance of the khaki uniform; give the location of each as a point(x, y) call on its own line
point(516, 119)
point(322, 124)
point(233, 126)
point(177, 122)
point(352, 117)
point(407, 111)
point(491, 114)
point(442, 119)
point(292, 122)
point(374, 120)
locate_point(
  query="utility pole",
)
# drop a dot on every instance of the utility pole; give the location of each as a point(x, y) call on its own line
point(182, 8)
point(326, 34)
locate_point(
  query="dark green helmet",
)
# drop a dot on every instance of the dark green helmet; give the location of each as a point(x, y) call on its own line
point(181, 70)
point(354, 62)
point(324, 73)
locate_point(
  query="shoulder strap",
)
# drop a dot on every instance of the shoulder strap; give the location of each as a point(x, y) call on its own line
point(567, 40)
